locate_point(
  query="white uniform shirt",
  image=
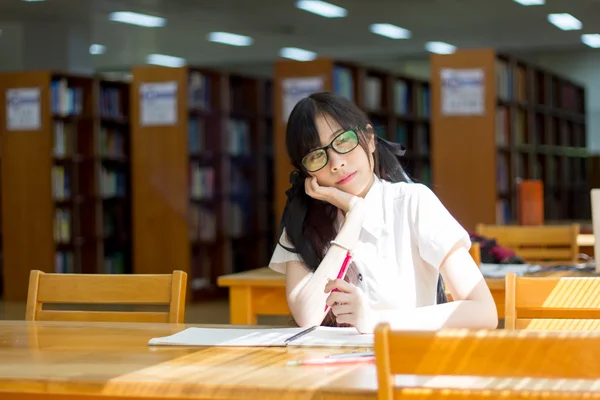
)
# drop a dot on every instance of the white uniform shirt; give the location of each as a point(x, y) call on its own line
point(405, 236)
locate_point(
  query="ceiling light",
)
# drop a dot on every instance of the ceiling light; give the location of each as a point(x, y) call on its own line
point(294, 53)
point(531, 2)
point(322, 8)
point(440, 47)
point(591, 39)
point(33, 1)
point(128, 17)
point(231, 39)
point(565, 21)
point(389, 30)
point(97, 49)
point(165, 61)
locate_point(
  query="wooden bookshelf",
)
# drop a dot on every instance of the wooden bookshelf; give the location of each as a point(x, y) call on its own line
point(53, 186)
point(398, 107)
point(532, 127)
point(202, 191)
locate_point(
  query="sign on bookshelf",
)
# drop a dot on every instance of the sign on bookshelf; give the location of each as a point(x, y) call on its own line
point(158, 103)
point(23, 109)
point(462, 92)
point(295, 89)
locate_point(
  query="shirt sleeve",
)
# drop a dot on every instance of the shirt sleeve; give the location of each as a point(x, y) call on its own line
point(281, 255)
point(437, 231)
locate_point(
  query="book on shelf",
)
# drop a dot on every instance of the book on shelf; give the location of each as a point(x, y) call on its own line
point(65, 100)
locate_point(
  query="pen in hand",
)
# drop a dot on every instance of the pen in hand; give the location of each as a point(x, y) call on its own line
point(342, 272)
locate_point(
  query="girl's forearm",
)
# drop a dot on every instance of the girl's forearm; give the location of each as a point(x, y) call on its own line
point(470, 314)
point(307, 300)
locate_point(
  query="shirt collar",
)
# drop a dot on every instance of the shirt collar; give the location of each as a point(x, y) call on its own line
point(374, 222)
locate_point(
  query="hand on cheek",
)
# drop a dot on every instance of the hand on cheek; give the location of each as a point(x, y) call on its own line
point(350, 305)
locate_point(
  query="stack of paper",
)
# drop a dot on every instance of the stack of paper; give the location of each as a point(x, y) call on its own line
point(269, 337)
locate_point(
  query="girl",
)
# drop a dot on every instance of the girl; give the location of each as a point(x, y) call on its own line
point(350, 195)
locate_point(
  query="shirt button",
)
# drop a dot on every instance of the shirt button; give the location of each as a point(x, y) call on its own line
point(360, 277)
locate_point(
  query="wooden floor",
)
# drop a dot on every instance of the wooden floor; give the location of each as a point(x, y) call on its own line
point(214, 312)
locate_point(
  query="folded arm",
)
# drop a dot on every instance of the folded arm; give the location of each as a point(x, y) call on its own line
point(473, 306)
point(305, 289)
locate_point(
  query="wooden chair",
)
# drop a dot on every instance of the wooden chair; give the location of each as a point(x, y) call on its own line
point(484, 353)
point(552, 303)
point(78, 289)
point(475, 252)
point(544, 243)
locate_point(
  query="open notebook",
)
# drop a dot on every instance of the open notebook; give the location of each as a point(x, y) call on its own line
point(268, 337)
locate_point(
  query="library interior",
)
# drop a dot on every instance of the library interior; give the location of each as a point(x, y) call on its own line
point(148, 186)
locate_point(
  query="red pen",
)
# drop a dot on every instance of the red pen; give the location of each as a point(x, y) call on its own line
point(326, 361)
point(342, 272)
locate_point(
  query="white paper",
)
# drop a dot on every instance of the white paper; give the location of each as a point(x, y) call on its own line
point(295, 89)
point(158, 103)
point(595, 193)
point(269, 337)
point(463, 92)
point(23, 109)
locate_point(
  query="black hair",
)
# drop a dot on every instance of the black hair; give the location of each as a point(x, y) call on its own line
point(310, 223)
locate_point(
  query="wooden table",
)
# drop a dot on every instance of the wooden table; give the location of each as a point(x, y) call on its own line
point(93, 361)
point(262, 292)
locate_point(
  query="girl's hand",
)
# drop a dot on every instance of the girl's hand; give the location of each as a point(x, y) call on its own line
point(340, 199)
point(350, 305)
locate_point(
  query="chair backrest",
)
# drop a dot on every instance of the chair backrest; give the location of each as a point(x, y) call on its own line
point(546, 303)
point(475, 252)
point(100, 289)
point(536, 243)
point(484, 353)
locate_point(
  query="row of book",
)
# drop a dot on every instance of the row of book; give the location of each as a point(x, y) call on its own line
point(114, 263)
point(112, 142)
point(64, 262)
point(61, 183)
point(202, 223)
point(556, 134)
point(417, 141)
point(64, 99)
point(62, 225)
point(202, 181)
point(112, 101)
point(113, 182)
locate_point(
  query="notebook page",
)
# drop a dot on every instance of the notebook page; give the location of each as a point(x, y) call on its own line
point(325, 336)
point(227, 337)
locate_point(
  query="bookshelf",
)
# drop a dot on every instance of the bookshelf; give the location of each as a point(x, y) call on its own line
point(532, 128)
point(54, 184)
point(397, 105)
point(202, 185)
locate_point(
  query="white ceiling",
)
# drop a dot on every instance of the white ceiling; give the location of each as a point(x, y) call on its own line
point(273, 24)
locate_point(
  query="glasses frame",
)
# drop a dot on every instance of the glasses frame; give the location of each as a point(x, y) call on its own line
point(330, 146)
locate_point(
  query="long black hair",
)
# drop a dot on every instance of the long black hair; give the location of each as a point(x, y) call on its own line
point(310, 223)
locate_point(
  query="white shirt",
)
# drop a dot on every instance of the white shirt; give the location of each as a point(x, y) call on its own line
point(405, 236)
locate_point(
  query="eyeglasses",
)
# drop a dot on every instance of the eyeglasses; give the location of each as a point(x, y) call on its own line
point(343, 143)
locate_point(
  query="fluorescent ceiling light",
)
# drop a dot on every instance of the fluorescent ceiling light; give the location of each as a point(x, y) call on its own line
point(322, 8)
point(389, 30)
point(294, 53)
point(591, 39)
point(33, 1)
point(97, 49)
point(531, 2)
point(565, 21)
point(231, 39)
point(440, 47)
point(128, 17)
point(165, 61)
